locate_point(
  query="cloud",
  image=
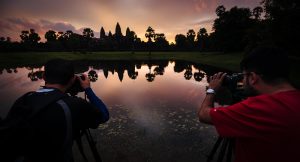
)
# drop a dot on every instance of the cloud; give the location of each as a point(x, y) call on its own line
point(57, 26)
point(166, 16)
point(12, 27)
point(203, 21)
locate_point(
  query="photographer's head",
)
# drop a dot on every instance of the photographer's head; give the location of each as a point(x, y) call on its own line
point(59, 72)
point(264, 66)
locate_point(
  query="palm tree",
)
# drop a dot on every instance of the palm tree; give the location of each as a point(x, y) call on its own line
point(198, 76)
point(88, 35)
point(188, 73)
point(150, 76)
point(190, 35)
point(150, 34)
point(93, 76)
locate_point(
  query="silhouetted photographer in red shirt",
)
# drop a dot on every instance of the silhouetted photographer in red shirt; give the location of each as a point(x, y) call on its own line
point(266, 126)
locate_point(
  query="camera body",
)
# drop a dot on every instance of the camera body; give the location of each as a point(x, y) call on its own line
point(232, 90)
point(234, 84)
point(76, 86)
point(231, 81)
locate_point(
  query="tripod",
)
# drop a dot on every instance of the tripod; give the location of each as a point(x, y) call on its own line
point(91, 143)
point(226, 150)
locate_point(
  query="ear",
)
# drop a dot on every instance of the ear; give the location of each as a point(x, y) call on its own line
point(253, 78)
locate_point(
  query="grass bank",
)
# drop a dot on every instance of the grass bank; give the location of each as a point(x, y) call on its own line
point(228, 61)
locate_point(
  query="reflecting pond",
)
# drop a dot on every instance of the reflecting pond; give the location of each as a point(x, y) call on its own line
point(152, 104)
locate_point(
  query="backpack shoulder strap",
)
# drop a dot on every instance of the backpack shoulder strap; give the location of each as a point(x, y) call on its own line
point(67, 145)
point(39, 103)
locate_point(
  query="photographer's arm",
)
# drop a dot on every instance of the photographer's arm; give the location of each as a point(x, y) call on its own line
point(94, 99)
point(98, 103)
point(208, 103)
point(204, 110)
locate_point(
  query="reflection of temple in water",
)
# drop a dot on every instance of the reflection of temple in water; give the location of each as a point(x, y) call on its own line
point(156, 67)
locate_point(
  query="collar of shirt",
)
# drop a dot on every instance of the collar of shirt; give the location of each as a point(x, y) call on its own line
point(42, 90)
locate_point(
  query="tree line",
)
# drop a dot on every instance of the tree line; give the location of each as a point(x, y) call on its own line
point(275, 22)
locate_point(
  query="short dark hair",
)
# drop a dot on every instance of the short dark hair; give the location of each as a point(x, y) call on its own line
point(271, 63)
point(58, 71)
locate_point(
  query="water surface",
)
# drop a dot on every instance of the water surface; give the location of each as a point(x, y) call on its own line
point(152, 104)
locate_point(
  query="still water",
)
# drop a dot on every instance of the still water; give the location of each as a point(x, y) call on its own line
point(152, 105)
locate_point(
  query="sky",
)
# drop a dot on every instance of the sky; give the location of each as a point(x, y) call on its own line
point(170, 17)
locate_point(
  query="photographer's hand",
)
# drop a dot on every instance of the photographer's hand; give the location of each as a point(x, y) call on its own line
point(208, 103)
point(216, 81)
point(96, 101)
point(85, 83)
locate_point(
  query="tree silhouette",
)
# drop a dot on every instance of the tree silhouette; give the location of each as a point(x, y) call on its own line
point(160, 41)
point(34, 37)
point(35, 75)
point(159, 70)
point(150, 76)
point(130, 39)
point(220, 10)
point(231, 27)
point(8, 39)
point(24, 36)
point(29, 39)
point(73, 40)
point(93, 76)
point(202, 39)
point(60, 36)
point(198, 76)
point(283, 19)
point(88, 33)
point(68, 35)
point(190, 35)
point(181, 41)
point(132, 73)
point(256, 12)
point(50, 36)
point(188, 73)
point(150, 34)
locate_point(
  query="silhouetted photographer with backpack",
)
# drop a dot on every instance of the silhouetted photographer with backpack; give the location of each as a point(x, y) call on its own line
point(42, 125)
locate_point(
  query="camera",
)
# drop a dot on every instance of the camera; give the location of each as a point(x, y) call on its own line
point(234, 84)
point(232, 81)
point(76, 86)
point(232, 90)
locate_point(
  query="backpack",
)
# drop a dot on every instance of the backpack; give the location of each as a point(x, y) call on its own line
point(16, 131)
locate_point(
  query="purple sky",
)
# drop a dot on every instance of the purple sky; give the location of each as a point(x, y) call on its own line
point(170, 17)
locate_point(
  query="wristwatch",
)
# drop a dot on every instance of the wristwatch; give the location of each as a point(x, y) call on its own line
point(210, 91)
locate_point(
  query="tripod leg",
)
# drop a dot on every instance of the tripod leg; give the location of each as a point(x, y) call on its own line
point(223, 150)
point(214, 150)
point(93, 146)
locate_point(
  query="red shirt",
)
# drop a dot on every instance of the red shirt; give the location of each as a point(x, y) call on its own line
point(266, 127)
